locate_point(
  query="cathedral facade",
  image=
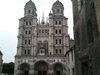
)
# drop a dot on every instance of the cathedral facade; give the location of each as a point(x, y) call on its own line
point(42, 45)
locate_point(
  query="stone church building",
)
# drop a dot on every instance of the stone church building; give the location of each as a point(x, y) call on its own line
point(86, 15)
point(42, 45)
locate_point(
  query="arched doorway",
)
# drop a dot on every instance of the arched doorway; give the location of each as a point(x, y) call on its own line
point(58, 69)
point(41, 68)
point(24, 69)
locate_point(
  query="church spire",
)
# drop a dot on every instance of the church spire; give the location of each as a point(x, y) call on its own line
point(43, 18)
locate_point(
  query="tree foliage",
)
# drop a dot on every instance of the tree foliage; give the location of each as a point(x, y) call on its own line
point(8, 68)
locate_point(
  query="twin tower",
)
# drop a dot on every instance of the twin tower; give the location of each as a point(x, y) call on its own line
point(42, 46)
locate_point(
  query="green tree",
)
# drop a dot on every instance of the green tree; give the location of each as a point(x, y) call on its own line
point(8, 68)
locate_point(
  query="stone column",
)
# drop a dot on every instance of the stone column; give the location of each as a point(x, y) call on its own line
point(50, 70)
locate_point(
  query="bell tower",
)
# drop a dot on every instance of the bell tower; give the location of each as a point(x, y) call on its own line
point(59, 37)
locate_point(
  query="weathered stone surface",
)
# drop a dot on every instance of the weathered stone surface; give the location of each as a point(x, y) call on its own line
point(87, 35)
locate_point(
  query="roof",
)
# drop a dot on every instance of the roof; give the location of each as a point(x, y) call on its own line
point(58, 4)
point(30, 4)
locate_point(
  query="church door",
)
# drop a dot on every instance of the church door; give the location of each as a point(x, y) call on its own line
point(42, 72)
point(26, 72)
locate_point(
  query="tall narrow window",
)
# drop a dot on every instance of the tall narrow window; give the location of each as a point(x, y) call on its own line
point(59, 41)
point(25, 41)
point(28, 51)
point(29, 23)
point(28, 41)
point(59, 31)
point(29, 32)
point(25, 32)
point(25, 52)
point(57, 10)
point(55, 22)
point(60, 51)
point(29, 11)
point(56, 31)
point(56, 41)
point(59, 22)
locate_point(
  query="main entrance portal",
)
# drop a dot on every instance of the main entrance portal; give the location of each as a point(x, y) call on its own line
point(42, 72)
point(58, 69)
point(41, 68)
point(24, 68)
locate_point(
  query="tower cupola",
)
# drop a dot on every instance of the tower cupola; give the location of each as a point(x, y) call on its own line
point(58, 8)
point(30, 9)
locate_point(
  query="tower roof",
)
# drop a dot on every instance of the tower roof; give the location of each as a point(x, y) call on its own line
point(30, 3)
point(58, 4)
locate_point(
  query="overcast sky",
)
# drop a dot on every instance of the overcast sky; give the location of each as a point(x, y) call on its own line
point(12, 10)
